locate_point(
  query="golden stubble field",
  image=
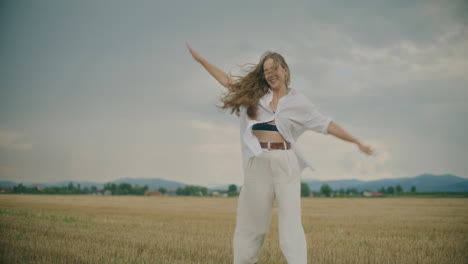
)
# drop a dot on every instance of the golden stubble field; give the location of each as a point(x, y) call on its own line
point(136, 229)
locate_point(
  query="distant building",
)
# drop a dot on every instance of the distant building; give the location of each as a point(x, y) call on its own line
point(218, 194)
point(372, 194)
point(108, 192)
point(39, 187)
point(171, 193)
point(6, 189)
point(153, 193)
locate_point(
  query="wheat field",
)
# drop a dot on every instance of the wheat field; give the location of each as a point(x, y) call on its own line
point(137, 229)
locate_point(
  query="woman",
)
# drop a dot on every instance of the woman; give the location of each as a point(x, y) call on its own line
point(272, 117)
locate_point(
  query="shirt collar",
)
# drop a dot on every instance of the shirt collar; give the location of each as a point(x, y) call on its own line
point(266, 98)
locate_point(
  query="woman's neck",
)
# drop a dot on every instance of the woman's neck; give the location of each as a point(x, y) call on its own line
point(278, 93)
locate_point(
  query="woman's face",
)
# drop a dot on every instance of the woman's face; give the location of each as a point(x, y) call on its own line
point(276, 78)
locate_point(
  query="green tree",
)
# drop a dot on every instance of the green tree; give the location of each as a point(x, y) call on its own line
point(162, 190)
point(20, 188)
point(305, 189)
point(326, 190)
point(113, 188)
point(180, 191)
point(413, 189)
point(136, 190)
point(398, 189)
point(232, 188)
point(124, 188)
point(110, 186)
point(382, 190)
point(191, 190)
point(390, 190)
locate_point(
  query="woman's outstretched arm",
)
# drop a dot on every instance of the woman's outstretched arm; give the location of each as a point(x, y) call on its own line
point(337, 131)
point(223, 78)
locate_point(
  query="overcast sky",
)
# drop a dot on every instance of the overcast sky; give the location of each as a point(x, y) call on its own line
point(101, 90)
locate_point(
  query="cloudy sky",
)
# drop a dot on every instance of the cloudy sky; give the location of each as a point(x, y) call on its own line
point(101, 90)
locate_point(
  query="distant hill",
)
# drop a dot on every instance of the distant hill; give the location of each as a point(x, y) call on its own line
point(423, 183)
point(334, 184)
point(153, 184)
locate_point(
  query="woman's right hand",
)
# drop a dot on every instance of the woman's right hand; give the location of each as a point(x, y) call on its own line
point(223, 78)
point(195, 55)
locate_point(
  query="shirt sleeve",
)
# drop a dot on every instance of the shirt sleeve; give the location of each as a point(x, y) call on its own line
point(316, 121)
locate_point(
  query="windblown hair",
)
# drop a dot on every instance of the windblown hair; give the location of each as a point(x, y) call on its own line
point(247, 90)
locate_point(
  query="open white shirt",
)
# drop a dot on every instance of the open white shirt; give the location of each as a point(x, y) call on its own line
point(294, 115)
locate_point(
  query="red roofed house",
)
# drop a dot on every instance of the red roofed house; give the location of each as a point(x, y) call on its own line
point(37, 186)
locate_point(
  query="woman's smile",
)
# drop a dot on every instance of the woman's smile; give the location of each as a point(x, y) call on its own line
point(275, 74)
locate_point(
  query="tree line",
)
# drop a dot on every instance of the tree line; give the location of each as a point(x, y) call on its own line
point(118, 189)
point(191, 190)
point(327, 191)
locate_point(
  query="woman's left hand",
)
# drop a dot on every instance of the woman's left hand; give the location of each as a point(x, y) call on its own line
point(365, 149)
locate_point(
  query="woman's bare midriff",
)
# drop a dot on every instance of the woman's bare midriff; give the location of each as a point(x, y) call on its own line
point(269, 136)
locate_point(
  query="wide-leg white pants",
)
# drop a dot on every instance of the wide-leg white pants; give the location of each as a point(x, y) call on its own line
point(273, 174)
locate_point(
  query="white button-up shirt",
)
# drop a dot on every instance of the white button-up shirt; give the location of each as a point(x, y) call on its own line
point(294, 115)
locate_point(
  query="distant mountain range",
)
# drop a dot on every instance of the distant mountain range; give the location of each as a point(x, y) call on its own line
point(423, 183)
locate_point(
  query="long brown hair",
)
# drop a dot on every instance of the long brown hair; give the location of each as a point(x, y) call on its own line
point(247, 90)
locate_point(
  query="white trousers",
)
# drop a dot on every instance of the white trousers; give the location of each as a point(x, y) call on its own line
point(273, 174)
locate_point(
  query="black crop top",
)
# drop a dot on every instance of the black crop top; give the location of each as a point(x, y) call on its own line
point(264, 126)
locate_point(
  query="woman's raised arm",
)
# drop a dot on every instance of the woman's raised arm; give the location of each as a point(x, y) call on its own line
point(339, 132)
point(223, 78)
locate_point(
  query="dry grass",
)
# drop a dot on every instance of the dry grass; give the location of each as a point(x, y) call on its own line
point(120, 229)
